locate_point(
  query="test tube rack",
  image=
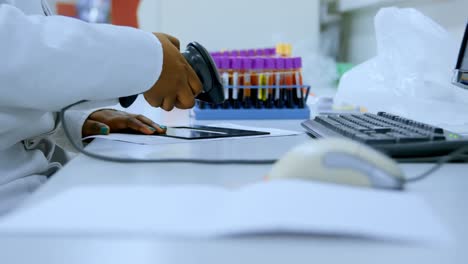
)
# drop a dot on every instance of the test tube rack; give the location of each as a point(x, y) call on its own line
point(226, 111)
point(258, 84)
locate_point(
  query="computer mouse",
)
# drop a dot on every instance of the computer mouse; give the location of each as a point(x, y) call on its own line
point(341, 161)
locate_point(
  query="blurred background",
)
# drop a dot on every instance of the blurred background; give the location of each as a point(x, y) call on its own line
point(330, 35)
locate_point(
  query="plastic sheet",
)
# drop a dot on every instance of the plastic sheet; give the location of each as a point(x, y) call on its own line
point(411, 74)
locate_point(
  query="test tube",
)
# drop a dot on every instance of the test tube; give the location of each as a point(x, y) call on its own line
point(289, 81)
point(225, 67)
point(247, 64)
point(250, 53)
point(279, 82)
point(236, 65)
point(258, 79)
point(270, 81)
point(298, 82)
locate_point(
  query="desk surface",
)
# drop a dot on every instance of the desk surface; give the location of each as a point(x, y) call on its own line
point(445, 191)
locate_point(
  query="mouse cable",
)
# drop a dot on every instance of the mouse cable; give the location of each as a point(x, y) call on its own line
point(440, 162)
point(457, 154)
point(85, 152)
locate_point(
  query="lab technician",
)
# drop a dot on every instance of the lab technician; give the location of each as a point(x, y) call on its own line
point(50, 62)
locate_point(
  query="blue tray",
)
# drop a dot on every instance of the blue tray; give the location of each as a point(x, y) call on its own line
point(250, 113)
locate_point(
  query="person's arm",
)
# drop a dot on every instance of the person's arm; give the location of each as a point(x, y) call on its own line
point(47, 63)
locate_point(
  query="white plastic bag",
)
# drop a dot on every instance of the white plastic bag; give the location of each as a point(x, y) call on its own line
point(411, 74)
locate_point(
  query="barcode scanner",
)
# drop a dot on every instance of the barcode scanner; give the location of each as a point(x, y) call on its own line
point(201, 62)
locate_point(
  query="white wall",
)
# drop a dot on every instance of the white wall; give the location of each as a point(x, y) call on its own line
point(359, 24)
point(233, 24)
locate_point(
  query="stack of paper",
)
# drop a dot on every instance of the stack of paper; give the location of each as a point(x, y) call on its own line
point(200, 211)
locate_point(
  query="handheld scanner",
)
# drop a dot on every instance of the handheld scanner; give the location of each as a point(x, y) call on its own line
point(205, 68)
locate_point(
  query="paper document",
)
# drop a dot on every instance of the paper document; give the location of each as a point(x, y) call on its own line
point(297, 207)
point(157, 140)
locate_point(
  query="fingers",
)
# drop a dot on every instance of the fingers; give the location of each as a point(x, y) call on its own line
point(149, 122)
point(91, 128)
point(154, 101)
point(185, 99)
point(137, 125)
point(173, 40)
point(193, 81)
point(168, 103)
point(178, 84)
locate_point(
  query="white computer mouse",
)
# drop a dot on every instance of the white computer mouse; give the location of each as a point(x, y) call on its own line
point(340, 161)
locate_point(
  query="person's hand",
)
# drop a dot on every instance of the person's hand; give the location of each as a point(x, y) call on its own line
point(178, 84)
point(103, 122)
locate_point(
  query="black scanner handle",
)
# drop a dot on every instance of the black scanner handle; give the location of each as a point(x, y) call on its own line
point(202, 63)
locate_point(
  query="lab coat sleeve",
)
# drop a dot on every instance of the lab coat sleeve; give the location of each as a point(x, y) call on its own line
point(47, 63)
point(74, 120)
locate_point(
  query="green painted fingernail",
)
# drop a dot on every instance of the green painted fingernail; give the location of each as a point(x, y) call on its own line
point(152, 128)
point(104, 130)
point(163, 127)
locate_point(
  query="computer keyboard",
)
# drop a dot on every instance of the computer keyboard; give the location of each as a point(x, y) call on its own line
point(397, 136)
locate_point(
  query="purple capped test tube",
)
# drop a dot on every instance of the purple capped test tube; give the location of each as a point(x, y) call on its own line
point(289, 81)
point(270, 67)
point(247, 67)
point(299, 96)
point(279, 82)
point(251, 52)
point(259, 80)
point(243, 53)
point(225, 66)
point(236, 65)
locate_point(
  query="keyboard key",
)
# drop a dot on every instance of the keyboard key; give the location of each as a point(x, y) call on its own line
point(438, 138)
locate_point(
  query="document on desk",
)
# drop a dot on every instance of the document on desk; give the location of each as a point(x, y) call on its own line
point(277, 207)
point(157, 140)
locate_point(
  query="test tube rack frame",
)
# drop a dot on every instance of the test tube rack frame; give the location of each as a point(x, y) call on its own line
point(230, 113)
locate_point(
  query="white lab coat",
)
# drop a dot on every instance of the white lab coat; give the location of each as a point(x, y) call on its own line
point(47, 63)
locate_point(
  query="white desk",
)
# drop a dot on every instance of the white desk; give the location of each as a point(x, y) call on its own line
point(446, 191)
